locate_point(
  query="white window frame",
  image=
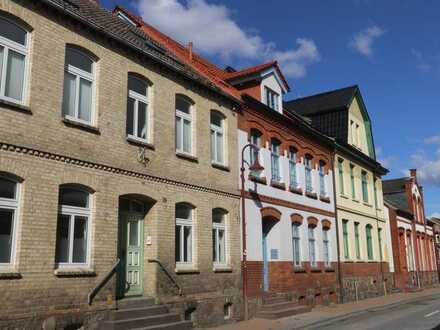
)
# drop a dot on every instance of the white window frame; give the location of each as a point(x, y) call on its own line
point(217, 227)
point(312, 246)
point(186, 223)
point(185, 116)
point(255, 141)
point(81, 74)
point(293, 170)
point(322, 185)
point(72, 212)
point(136, 97)
point(14, 205)
point(326, 247)
point(275, 159)
point(272, 98)
point(308, 172)
point(296, 236)
point(7, 45)
point(217, 131)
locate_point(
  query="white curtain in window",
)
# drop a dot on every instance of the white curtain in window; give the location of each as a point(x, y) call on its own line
point(69, 94)
point(186, 136)
point(142, 120)
point(85, 100)
point(15, 75)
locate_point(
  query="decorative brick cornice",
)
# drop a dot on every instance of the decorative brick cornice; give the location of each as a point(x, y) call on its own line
point(292, 205)
point(110, 169)
point(270, 212)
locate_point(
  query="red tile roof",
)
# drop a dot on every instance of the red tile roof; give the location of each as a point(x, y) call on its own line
point(216, 75)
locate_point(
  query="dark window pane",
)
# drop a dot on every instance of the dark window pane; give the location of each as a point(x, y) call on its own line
point(187, 246)
point(7, 188)
point(74, 197)
point(218, 216)
point(214, 244)
point(216, 119)
point(142, 120)
point(182, 105)
point(130, 116)
point(178, 229)
point(6, 222)
point(137, 207)
point(183, 212)
point(134, 233)
point(79, 60)
point(62, 249)
point(12, 31)
point(124, 204)
point(137, 85)
point(80, 240)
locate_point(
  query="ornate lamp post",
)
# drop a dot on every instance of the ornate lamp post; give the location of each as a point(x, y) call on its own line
point(255, 169)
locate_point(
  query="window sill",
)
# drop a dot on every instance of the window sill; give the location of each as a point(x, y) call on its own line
point(329, 270)
point(367, 204)
point(88, 128)
point(315, 269)
point(257, 179)
point(15, 106)
point(9, 274)
point(222, 269)
point(139, 142)
point(344, 196)
point(278, 185)
point(311, 195)
point(324, 199)
point(186, 270)
point(74, 272)
point(299, 269)
point(297, 191)
point(221, 167)
point(189, 157)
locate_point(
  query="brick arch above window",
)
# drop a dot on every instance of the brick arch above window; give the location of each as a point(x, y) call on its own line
point(270, 212)
point(326, 224)
point(296, 218)
point(312, 221)
point(401, 230)
point(257, 126)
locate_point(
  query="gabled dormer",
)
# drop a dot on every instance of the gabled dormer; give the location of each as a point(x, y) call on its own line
point(340, 114)
point(264, 82)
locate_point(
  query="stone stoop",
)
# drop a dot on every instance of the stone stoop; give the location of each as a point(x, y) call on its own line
point(144, 314)
point(275, 307)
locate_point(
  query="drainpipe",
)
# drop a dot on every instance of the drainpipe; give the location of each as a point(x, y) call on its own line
point(338, 248)
point(379, 241)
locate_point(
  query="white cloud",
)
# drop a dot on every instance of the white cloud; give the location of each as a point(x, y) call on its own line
point(428, 168)
point(213, 31)
point(385, 161)
point(435, 139)
point(363, 41)
point(422, 63)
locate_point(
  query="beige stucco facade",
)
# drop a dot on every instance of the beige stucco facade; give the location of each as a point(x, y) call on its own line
point(45, 151)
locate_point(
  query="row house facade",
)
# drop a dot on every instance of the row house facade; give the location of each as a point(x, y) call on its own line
point(291, 234)
point(413, 237)
point(106, 164)
point(364, 238)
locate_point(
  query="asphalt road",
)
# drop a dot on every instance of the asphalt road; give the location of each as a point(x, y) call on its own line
point(420, 314)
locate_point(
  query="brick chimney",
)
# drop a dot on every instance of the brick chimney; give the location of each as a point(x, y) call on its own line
point(190, 49)
point(413, 173)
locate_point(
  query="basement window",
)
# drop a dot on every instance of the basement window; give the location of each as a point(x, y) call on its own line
point(227, 311)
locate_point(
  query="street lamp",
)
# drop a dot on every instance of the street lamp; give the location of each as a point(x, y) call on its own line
point(255, 170)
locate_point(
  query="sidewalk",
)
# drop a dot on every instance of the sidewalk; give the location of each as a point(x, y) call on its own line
point(323, 314)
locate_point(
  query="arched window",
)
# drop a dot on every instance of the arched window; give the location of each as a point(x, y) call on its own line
point(369, 242)
point(219, 236)
point(73, 226)
point(14, 49)
point(326, 246)
point(255, 139)
point(183, 125)
point(137, 109)
point(308, 171)
point(217, 138)
point(9, 201)
point(275, 149)
point(292, 167)
point(184, 233)
point(79, 81)
point(296, 244)
point(364, 177)
point(322, 188)
point(312, 245)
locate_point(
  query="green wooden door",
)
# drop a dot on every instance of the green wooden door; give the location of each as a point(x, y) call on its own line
point(132, 253)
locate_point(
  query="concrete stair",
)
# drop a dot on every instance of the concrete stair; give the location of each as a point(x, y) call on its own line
point(277, 306)
point(143, 313)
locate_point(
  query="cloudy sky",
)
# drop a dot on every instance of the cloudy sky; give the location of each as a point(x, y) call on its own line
point(391, 49)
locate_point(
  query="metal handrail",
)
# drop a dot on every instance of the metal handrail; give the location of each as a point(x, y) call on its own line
point(167, 273)
point(103, 282)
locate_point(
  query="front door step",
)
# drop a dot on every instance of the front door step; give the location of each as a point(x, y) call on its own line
point(278, 306)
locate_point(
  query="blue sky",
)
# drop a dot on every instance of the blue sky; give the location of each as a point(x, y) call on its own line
point(391, 49)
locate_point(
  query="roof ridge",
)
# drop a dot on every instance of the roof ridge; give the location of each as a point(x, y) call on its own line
point(323, 93)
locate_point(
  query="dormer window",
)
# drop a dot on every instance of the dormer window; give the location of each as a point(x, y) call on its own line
point(272, 98)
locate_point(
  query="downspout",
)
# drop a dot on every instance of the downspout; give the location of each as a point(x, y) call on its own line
point(338, 248)
point(379, 241)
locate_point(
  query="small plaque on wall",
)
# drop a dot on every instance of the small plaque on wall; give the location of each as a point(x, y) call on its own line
point(274, 254)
